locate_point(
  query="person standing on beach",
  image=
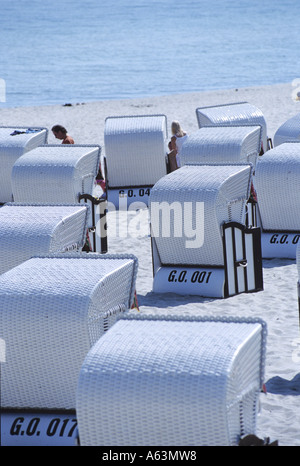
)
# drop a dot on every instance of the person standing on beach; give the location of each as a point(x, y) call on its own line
point(177, 140)
point(61, 133)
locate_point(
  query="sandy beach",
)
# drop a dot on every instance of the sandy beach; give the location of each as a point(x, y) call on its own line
point(277, 304)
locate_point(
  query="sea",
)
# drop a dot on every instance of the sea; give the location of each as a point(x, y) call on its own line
point(75, 51)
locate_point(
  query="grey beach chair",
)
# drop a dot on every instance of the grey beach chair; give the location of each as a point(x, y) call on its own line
point(237, 114)
point(53, 309)
point(277, 183)
point(289, 131)
point(62, 174)
point(135, 157)
point(200, 242)
point(166, 380)
point(28, 230)
point(14, 142)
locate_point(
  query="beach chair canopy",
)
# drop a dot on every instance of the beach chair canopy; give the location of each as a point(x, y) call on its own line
point(169, 380)
point(135, 150)
point(228, 144)
point(288, 131)
point(52, 310)
point(277, 183)
point(30, 230)
point(55, 174)
point(194, 199)
point(239, 113)
point(14, 142)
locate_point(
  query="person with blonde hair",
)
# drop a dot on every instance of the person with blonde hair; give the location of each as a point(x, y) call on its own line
point(179, 136)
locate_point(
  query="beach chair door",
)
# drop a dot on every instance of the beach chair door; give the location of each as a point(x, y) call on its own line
point(243, 259)
point(97, 234)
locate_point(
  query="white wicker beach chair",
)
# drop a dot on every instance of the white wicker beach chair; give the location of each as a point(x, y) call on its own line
point(30, 230)
point(298, 268)
point(55, 174)
point(240, 113)
point(14, 142)
point(195, 212)
point(288, 131)
point(168, 380)
point(52, 310)
point(135, 155)
point(228, 144)
point(277, 183)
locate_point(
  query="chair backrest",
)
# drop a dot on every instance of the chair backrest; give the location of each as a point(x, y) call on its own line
point(165, 380)
point(52, 310)
point(30, 230)
point(289, 131)
point(55, 174)
point(14, 142)
point(135, 150)
point(189, 206)
point(239, 113)
point(277, 183)
point(227, 144)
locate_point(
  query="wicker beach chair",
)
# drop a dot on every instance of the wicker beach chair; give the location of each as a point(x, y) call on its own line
point(196, 212)
point(277, 183)
point(52, 310)
point(221, 145)
point(298, 269)
point(29, 230)
point(14, 142)
point(165, 380)
point(239, 113)
point(55, 174)
point(135, 156)
point(288, 131)
point(62, 174)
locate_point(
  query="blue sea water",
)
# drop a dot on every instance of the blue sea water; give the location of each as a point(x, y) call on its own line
point(58, 51)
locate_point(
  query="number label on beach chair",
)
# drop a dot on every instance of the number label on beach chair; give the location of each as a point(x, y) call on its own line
point(38, 429)
point(279, 244)
point(122, 198)
point(189, 281)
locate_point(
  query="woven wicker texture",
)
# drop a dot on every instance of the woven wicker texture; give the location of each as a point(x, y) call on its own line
point(220, 145)
point(14, 142)
point(288, 131)
point(55, 174)
point(277, 183)
point(30, 230)
point(222, 191)
point(240, 113)
point(135, 149)
point(52, 310)
point(171, 381)
point(298, 262)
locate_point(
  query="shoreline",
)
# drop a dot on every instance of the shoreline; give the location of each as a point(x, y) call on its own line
point(85, 121)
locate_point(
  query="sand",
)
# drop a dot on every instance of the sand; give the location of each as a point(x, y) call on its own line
point(277, 304)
